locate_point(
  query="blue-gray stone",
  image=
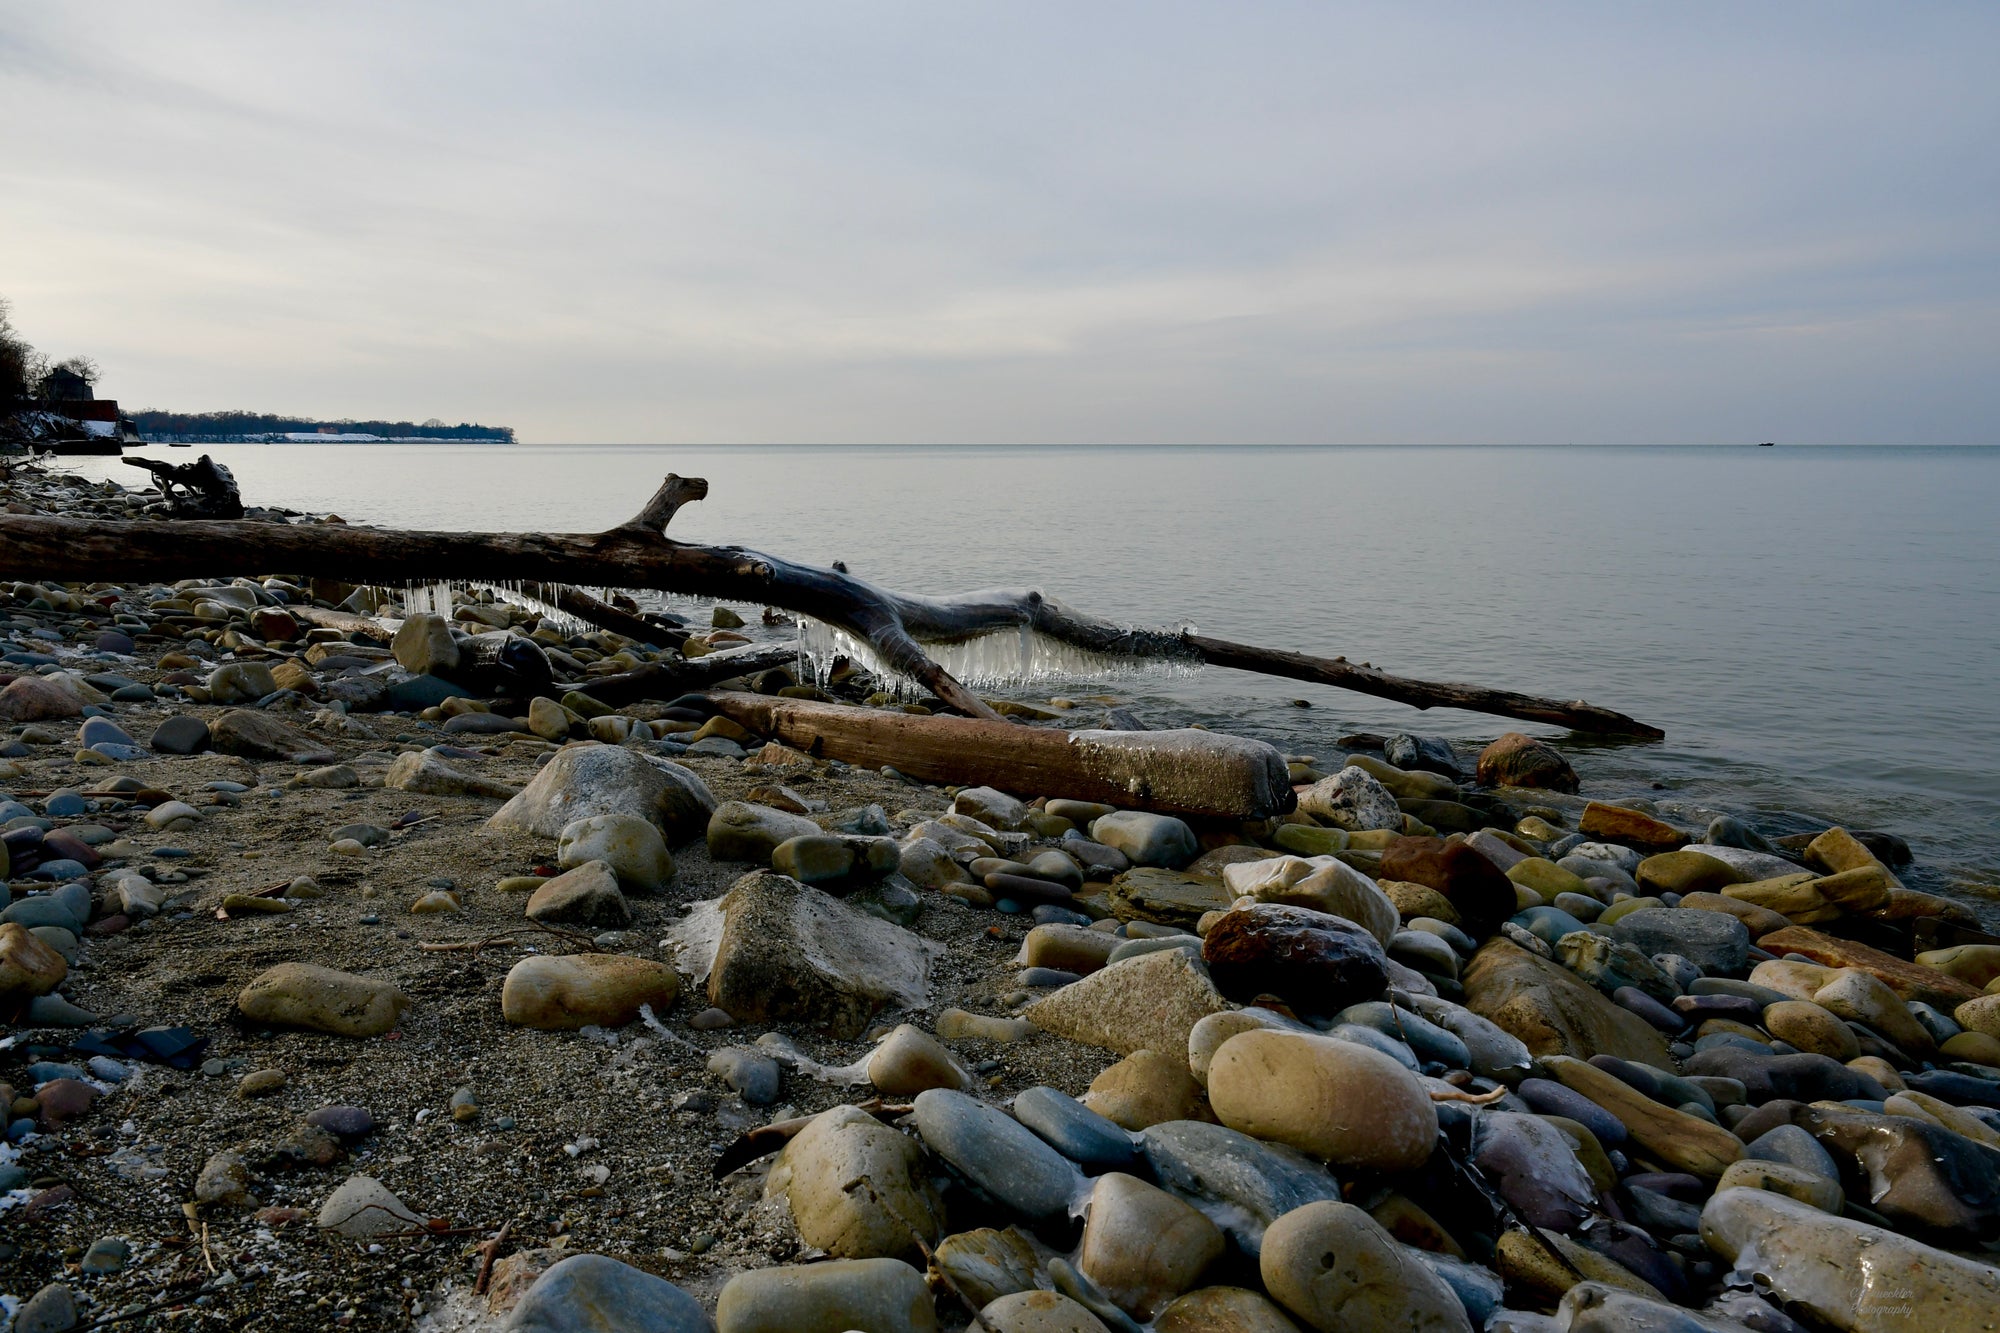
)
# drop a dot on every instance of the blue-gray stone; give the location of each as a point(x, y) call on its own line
point(65, 805)
point(1362, 1035)
point(591, 1293)
point(134, 693)
point(1425, 1038)
point(1763, 995)
point(43, 910)
point(101, 731)
point(1659, 1015)
point(50, 1310)
point(1553, 1098)
point(60, 938)
point(59, 871)
point(53, 1011)
point(47, 1071)
point(421, 692)
point(1959, 1089)
point(122, 753)
point(12, 810)
point(1045, 977)
point(1548, 924)
point(180, 734)
point(1074, 1130)
point(108, 1254)
point(1430, 754)
point(751, 1074)
point(997, 1154)
point(1241, 1183)
point(1793, 1146)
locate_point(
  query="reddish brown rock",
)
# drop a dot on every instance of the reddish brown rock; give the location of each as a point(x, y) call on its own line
point(1482, 896)
point(1317, 963)
point(1911, 981)
point(64, 1099)
point(1631, 828)
point(1518, 760)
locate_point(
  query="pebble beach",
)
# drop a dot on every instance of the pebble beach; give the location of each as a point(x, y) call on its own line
point(348, 984)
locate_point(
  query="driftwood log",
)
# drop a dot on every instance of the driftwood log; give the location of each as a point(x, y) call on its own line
point(201, 489)
point(639, 554)
point(1186, 772)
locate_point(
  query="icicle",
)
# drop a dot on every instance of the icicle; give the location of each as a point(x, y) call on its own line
point(1004, 657)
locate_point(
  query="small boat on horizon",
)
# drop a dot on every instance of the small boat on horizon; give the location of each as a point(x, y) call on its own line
point(1768, 444)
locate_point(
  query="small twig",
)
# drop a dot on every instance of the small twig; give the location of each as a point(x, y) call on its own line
point(206, 1257)
point(468, 946)
point(487, 1254)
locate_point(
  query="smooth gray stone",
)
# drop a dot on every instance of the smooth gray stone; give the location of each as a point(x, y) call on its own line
point(1552, 1098)
point(1075, 1131)
point(591, 1293)
point(1360, 1034)
point(53, 1011)
point(107, 1254)
point(46, 910)
point(997, 1154)
point(1716, 942)
point(1478, 1290)
point(50, 1310)
point(1724, 831)
point(752, 1075)
point(1661, 1214)
point(1425, 1038)
point(1764, 995)
point(482, 724)
point(1659, 1015)
point(1794, 1146)
point(1241, 1184)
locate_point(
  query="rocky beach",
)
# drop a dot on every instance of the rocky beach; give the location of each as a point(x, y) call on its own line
point(348, 982)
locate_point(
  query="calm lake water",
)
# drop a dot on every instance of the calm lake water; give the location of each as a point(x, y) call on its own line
point(1815, 629)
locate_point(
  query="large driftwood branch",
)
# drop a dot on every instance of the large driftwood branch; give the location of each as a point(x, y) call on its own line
point(637, 554)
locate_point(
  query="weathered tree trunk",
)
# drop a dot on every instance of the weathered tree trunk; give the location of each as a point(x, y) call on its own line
point(638, 554)
point(1184, 772)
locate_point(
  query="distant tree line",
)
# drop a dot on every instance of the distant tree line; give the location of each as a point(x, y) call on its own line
point(156, 424)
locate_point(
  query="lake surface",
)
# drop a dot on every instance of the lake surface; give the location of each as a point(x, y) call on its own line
point(1816, 630)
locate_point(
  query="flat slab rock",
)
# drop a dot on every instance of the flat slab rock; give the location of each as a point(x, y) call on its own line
point(1151, 1002)
point(774, 950)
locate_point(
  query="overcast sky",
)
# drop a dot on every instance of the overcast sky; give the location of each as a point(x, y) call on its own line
point(1021, 222)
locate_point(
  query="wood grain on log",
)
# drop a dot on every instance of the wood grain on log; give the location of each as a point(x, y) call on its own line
point(1181, 772)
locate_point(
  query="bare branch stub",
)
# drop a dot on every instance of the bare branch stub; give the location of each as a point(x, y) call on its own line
point(674, 492)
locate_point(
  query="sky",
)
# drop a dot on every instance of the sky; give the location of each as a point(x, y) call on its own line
point(1147, 222)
